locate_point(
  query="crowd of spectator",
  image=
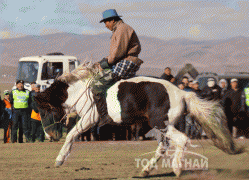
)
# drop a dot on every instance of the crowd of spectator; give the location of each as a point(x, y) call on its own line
point(20, 115)
point(235, 102)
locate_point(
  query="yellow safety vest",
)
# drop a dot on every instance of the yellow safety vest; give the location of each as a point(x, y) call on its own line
point(20, 99)
point(247, 96)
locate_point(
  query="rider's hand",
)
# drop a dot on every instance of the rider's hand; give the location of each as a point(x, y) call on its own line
point(99, 67)
point(104, 64)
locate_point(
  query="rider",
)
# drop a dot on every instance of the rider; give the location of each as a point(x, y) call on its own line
point(122, 62)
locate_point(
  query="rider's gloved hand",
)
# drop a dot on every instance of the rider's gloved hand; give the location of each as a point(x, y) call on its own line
point(104, 64)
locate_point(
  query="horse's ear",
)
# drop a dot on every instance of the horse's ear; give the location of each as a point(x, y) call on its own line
point(89, 63)
point(66, 77)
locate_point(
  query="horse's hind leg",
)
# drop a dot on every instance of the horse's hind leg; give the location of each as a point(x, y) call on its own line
point(152, 163)
point(180, 139)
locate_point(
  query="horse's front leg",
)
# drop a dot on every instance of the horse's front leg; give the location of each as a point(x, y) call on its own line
point(72, 135)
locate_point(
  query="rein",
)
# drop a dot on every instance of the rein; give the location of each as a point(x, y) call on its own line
point(77, 100)
point(85, 91)
point(52, 107)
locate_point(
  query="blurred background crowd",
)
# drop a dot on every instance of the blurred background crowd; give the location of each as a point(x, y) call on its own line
point(20, 117)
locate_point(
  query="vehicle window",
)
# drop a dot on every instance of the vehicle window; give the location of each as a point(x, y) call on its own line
point(27, 71)
point(57, 69)
point(52, 70)
point(71, 66)
point(44, 72)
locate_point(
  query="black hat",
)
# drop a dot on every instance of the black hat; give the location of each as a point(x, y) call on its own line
point(19, 81)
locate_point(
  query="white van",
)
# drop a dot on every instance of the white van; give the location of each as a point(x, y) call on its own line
point(44, 69)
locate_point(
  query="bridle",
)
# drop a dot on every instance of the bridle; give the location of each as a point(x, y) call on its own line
point(88, 87)
point(93, 73)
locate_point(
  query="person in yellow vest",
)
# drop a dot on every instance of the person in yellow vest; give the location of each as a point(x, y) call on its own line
point(7, 122)
point(246, 96)
point(37, 132)
point(20, 99)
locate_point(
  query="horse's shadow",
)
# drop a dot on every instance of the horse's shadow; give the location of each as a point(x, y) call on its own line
point(171, 174)
point(215, 173)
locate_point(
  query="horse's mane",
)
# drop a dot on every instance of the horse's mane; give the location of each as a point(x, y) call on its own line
point(84, 71)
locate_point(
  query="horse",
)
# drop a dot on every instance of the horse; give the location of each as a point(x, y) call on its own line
point(132, 101)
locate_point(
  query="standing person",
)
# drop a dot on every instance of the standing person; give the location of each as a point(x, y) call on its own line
point(181, 124)
point(223, 85)
point(196, 88)
point(20, 99)
point(185, 81)
point(245, 99)
point(190, 84)
point(211, 91)
point(32, 94)
point(36, 125)
point(6, 121)
point(232, 105)
point(192, 129)
point(185, 117)
point(242, 124)
point(1, 110)
point(181, 86)
point(33, 86)
point(167, 75)
point(122, 62)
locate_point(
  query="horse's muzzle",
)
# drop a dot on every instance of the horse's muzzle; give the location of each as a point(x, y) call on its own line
point(55, 131)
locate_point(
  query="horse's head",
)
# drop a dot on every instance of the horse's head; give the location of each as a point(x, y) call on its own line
point(51, 110)
point(51, 102)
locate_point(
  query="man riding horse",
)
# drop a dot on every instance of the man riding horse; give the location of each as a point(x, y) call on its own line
point(122, 62)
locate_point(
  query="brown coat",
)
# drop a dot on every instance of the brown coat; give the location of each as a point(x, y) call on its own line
point(124, 44)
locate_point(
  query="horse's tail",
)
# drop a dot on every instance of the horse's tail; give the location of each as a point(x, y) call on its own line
point(211, 117)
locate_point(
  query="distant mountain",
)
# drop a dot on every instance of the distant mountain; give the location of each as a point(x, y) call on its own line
point(7, 74)
point(212, 55)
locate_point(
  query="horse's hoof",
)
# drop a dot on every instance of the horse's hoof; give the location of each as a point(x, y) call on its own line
point(58, 163)
point(145, 173)
point(177, 171)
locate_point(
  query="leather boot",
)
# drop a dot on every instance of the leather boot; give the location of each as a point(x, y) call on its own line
point(104, 117)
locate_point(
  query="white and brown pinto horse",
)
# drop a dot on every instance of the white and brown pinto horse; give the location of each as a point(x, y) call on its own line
point(133, 101)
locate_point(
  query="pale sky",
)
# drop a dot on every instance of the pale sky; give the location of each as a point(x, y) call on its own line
point(164, 19)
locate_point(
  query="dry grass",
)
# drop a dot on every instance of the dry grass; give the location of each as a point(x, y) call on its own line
point(109, 160)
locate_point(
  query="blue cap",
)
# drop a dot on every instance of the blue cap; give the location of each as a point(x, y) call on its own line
point(109, 13)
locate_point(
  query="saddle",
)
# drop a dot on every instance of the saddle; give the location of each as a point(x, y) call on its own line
point(100, 101)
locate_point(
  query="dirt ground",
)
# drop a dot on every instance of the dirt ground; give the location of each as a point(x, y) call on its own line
point(111, 160)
